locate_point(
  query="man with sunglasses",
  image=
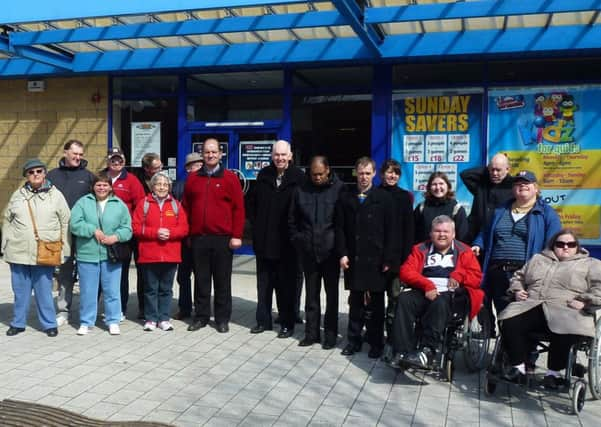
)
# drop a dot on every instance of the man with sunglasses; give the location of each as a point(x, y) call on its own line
point(74, 180)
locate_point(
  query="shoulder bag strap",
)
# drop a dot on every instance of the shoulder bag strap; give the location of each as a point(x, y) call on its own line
point(35, 228)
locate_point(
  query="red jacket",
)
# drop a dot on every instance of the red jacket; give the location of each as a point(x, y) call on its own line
point(128, 188)
point(467, 272)
point(214, 204)
point(150, 248)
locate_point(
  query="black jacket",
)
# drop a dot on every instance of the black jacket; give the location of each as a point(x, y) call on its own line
point(72, 182)
point(402, 202)
point(311, 218)
point(431, 209)
point(268, 207)
point(487, 197)
point(365, 233)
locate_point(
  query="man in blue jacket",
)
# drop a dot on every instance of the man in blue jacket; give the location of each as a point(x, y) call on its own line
point(73, 180)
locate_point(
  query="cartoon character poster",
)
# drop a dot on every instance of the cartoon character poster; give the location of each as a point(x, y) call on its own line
point(555, 133)
point(437, 131)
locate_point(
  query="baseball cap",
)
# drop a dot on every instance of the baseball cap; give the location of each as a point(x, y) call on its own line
point(192, 158)
point(115, 152)
point(525, 176)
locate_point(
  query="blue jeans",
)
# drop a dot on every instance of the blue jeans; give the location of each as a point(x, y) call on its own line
point(158, 290)
point(24, 279)
point(109, 275)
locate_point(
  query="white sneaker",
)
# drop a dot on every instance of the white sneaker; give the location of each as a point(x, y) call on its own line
point(166, 325)
point(61, 319)
point(114, 329)
point(83, 330)
point(149, 326)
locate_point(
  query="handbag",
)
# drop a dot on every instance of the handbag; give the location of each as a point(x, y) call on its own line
point(49, 253)
point(118, 252)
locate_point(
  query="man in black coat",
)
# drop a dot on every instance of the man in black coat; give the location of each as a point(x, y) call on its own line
point(365, 233)
point(73, 180)
point(491, 187)
point(276, 258)
point(311, 224)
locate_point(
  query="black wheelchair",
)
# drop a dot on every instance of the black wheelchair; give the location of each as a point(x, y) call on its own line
point(471, 337)
point(575, 383)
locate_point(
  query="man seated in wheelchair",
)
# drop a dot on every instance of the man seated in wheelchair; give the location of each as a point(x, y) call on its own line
point(551, 293)
point(439, 271)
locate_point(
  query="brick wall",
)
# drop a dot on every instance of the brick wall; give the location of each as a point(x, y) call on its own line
point(37, 124)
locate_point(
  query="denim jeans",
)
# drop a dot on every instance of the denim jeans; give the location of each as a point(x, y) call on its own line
point(158, 290)
point(24, 279)
point(109, 275)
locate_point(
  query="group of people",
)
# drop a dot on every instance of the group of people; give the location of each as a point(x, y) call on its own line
point(303, 224)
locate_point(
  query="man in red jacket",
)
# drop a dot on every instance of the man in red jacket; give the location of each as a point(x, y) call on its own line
point(436, 269)
point(214, 203)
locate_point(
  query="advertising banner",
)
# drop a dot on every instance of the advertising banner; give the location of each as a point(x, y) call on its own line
point(437, 132)
point(555, 133)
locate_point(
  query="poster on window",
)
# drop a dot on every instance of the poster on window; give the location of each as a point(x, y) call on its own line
point(437, 132)
point(145, 138)
point(254, 156)
point(555, 133)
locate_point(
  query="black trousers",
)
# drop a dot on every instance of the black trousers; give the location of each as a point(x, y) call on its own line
point(125, 279)
point(212, 260)
point(369, 313)
point(278, 275)
point(518, 345)
point(329, 271)
point(184, 274)
point(434, 316)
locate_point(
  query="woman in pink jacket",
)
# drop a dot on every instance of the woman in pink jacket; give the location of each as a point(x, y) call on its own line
point(159, 224)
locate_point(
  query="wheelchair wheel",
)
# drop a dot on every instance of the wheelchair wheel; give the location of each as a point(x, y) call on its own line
point(477, 343)
point(594, 364)
point(578, 396)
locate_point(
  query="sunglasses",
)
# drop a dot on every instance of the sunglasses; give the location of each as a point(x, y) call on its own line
point(560, 244)
point(35, 171)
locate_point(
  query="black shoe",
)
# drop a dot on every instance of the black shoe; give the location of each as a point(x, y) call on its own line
point(299, 320)
point(12, 331)
point(197, 324)
point(515, 376)
point(396, 361)
point(285, 332)
point(328, 344)
point(258, 329)
point(420, 358)
point(306, 342)
point(351, 349)
point(375, 353)
point(222, 328)
point(51, 332)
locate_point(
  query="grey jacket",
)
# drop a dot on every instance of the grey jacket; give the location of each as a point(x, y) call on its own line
point(553, 283)
point(51, 212)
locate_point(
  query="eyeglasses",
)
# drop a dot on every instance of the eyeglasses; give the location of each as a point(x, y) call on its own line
point(35, 171)
point(560, 244)
point(117, 160)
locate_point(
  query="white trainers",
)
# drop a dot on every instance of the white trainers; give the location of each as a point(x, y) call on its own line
point(61, 319)
point(114, 329)
point(166, 325)
point(149, 326)
point(83, 330)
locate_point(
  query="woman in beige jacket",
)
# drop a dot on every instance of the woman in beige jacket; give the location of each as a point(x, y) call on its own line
point(550, 293)
point(51, 214)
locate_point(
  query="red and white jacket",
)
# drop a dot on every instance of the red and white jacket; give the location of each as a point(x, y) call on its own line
point(146, 227)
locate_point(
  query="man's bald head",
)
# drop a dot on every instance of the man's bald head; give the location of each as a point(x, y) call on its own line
point(498, 168)
point(281, 155)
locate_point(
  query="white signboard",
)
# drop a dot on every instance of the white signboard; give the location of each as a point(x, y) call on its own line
point(145, 138)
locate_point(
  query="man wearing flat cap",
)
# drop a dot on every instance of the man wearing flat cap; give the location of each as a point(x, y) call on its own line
point(184, 270)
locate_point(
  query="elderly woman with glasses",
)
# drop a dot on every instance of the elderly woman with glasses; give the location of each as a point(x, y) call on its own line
point(37, 210)
point(159, 223)
point(550, 293)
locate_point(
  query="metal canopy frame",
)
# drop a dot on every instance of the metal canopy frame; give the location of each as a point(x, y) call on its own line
point(71, 37)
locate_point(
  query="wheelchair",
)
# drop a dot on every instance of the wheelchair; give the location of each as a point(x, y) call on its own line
point(575, 373)
point(471, 337)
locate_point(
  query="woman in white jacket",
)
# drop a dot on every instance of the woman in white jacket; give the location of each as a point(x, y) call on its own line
point(51, 214)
